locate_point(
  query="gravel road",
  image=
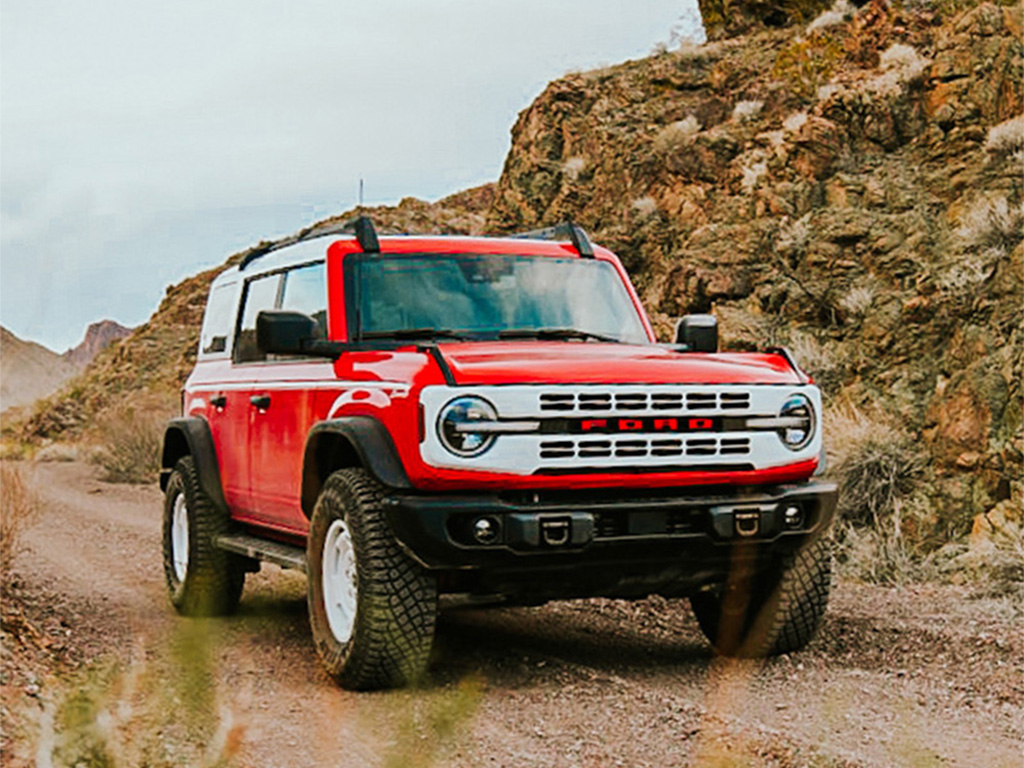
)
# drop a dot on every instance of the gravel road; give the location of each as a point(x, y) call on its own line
point(916, 676)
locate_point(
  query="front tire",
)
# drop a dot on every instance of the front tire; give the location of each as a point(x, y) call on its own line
point(202, 579)
point(372, 609)
point(771, 613)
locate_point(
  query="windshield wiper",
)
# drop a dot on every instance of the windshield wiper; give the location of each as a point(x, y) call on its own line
point(554, 333)
point(416, 333)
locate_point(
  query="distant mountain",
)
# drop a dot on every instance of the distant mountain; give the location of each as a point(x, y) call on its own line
point(98, 336)
point(29, 371)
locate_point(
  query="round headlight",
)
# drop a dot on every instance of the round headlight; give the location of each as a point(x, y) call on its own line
point(798, 431)
point(455, 426)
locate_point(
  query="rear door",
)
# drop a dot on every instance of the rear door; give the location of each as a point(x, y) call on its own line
point(259, 293)
point(217, 391)
point(282, 402)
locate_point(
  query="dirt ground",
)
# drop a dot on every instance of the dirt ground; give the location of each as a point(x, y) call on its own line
point(97, 670)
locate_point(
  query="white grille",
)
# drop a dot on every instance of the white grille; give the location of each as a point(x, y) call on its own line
point(525, 453)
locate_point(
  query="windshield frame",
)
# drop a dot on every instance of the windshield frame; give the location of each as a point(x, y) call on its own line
point(351, 271)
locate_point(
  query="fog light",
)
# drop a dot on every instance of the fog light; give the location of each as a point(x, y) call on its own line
point(793, 517)
point(486, 530)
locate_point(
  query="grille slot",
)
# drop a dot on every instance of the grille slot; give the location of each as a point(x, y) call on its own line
point(631, 402)
point(557, 449)
point(734, 445)
point(595, 448)
point(734, 400)
point(631, 448)
point(666, 447)
point(557, 402)
point(634, 448)
point(615, 401)
point(666, 401)
point(702, 447)
point(595, 402)
point(701, 401)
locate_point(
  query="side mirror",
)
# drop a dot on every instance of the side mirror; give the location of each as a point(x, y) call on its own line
point(698, 332)
point(285, 333)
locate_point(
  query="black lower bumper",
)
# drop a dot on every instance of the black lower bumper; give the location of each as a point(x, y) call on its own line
point(640, 534)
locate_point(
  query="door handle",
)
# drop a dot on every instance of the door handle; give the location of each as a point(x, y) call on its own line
point(260, 401)
point(219, 401)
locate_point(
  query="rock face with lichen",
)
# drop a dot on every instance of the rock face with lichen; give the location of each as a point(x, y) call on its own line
point(849, 185)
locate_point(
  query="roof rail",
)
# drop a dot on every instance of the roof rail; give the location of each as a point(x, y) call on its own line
point(567, 230)
point(361, 226)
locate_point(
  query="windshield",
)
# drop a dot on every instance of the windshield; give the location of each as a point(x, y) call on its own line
point(479, 296)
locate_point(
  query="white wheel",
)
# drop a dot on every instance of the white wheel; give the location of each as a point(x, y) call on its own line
point(179, 537)
point(371, 607)
point(339, 581)
point(202, 579)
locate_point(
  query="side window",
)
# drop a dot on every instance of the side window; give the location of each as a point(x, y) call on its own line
point(260, 294)
point(305, 290)
point(220, 311)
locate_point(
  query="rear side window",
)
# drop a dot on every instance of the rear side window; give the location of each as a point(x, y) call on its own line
point(305, 290)
point(220, 312)
point(260, 294)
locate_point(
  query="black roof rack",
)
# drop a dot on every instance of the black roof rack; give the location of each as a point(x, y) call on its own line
point(567, 230)
point(361, 226)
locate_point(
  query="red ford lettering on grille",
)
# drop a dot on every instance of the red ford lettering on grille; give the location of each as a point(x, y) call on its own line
point(646, 425)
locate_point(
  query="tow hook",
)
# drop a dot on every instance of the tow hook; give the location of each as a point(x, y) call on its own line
point(555, 531)
point(544, 530)
point(747, 522)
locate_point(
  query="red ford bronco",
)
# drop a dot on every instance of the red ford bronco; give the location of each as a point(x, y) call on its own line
point(403, 417)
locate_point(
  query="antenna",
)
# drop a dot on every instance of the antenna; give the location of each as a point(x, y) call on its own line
point(360, 194)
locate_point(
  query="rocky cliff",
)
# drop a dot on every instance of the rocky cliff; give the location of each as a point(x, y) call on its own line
point(845, 181)
point(98, 336)
point(852, 188)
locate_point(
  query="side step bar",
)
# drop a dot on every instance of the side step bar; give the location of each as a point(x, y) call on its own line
point(284, 555)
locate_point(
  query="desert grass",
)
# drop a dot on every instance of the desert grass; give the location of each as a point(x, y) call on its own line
point(19, 505)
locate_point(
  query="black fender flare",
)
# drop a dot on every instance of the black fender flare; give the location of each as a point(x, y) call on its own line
point(192, 435)
point(352, 441)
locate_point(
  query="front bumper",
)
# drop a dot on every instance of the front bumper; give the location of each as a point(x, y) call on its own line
point(547, 531)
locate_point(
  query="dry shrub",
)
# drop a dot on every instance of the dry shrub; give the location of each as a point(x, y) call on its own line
point(794, 122)
point(745, 111)
point(806, 64)
point(1007, 138)
point(840, 12)
point(823, 363)
point(877, 465)
point(18, 506)
point(752, 175)
point(992, 224)
point(675, 137)
point(573, 167)
point(645, 206)
point(889, 552)
point(858, 300)
point(129, 440)
point(882, 522)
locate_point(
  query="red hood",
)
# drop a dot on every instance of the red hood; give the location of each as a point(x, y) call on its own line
point(565, 362)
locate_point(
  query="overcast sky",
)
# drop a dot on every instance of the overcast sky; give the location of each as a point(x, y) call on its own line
point(141, 142)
